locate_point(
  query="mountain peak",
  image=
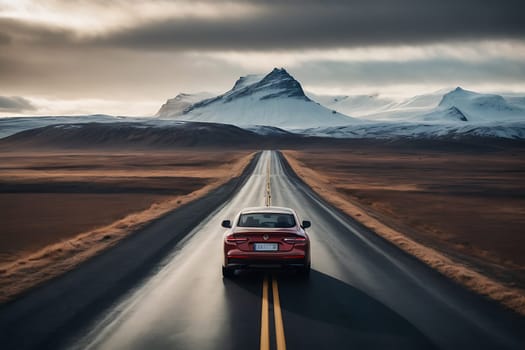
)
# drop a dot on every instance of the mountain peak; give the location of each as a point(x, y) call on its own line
point(279, 72)
point(280, 84)
point(275, 74)
point(451, 98)
point(459, 91)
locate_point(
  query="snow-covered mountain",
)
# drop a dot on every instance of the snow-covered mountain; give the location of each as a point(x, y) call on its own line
point(453, 113)
point(275, 99)
point(478, 107)
point(275, 105)
point(378, 108)
point(443, 106)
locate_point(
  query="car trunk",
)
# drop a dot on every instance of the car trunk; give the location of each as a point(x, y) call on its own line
point(264, 239)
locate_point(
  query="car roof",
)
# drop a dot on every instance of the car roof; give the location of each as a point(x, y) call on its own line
point(278, 210)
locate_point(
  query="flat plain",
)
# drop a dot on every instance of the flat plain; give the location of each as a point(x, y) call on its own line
point(467, 204)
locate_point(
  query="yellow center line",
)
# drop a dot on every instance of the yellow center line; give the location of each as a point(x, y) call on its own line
point(278, 318)
point(265, 326)
point(277, 314)
point(268, 185)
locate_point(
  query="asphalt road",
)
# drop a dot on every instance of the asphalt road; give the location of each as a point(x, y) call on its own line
point(363, 293)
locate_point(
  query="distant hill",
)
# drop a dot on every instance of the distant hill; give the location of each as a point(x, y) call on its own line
point(132, 135)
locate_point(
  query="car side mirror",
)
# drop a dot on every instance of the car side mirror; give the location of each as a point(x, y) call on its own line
point(226, 224)
point(306, 224)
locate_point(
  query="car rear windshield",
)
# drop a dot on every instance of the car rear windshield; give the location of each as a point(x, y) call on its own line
point(274, 220)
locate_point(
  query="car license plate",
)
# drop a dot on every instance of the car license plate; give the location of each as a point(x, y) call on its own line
point(266, 247)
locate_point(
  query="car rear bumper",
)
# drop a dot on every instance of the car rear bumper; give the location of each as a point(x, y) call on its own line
point(265, 264)
point(257, 260)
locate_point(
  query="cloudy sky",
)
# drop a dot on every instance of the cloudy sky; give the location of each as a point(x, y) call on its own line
point(128, 56)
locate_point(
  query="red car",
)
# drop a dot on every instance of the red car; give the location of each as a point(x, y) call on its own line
point(266, 237)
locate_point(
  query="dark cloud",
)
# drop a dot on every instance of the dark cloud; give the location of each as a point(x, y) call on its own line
point(298, 25)
point(147, 59)
point(110, 74)
point(293, 24)
point(23, 32)
point(15, 104)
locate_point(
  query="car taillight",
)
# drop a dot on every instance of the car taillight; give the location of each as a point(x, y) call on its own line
point(293, 240)
point(236, 239)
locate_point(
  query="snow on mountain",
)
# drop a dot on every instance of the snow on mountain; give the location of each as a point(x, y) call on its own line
point(267, 104)
point(135, 135)
point(355, 105)
point(452, 114)
point(518, 101)
point(12, 125)
point(177, 105)
point(481, 107)
point(424, 101)
point(249, 79)
point(458, 105)
point(456, 113)
point(276, 99)
point(377, 108)
point(409, 109)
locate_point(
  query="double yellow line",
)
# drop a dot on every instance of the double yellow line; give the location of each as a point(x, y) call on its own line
point(277, 316)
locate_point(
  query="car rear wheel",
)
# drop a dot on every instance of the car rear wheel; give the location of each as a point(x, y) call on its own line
point(227, 272)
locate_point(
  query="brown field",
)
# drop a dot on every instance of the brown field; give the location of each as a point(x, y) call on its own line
point(31, 221)
point(59, 208)
point(467, 206)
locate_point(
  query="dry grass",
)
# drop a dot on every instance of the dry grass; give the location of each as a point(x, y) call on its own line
point(44, 172)
point(442, 208)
